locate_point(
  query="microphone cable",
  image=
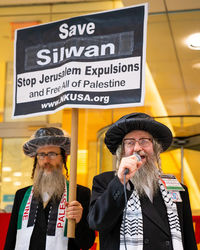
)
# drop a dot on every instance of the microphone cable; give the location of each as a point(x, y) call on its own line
point(125, 209)
point(125, 196)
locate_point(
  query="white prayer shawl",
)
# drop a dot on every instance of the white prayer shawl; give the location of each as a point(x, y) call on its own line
point(134, 222)
point(56, 237)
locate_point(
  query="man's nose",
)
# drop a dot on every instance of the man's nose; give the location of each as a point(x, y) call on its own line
point(46, 159)
point(137, 147)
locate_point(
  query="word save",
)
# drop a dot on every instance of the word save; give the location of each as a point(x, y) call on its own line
point(79, 29)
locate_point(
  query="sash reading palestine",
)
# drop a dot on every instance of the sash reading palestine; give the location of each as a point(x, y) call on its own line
point(57, 223)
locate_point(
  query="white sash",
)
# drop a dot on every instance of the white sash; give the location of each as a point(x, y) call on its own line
point(58, 240)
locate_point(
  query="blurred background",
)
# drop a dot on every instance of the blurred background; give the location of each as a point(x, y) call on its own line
point(172, 92)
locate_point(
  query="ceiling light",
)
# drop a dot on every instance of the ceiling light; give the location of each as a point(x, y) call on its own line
point(17, 183)
point(196, 66)
point(6, 169)
point(198, 99)
point(17, 174)
point(6, 179)
point(193, 41)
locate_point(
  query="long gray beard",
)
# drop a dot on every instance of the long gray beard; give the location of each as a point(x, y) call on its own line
point(147, 176)
point(52, 184)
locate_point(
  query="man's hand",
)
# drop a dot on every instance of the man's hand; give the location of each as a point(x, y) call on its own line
point(74, 210)
point(132, 164)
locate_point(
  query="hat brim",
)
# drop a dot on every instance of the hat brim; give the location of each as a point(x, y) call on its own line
point(30, 148)
point(118, 130)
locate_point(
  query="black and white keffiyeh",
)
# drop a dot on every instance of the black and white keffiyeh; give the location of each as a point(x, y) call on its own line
point(133, 229)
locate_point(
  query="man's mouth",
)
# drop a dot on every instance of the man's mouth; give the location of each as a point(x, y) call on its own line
point(142, 155)
point(47, 167)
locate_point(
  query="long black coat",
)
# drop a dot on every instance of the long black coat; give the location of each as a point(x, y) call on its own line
point(106, 211)
point(84, 237)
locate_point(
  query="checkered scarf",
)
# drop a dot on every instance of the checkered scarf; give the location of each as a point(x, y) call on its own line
point(133, 229)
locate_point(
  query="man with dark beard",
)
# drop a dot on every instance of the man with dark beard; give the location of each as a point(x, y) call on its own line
point(40, 212)
point(136, 207)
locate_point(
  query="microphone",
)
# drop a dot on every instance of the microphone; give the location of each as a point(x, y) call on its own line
point(138, 159)
point(137, 156)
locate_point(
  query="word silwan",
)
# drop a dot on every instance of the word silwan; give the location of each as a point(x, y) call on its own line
point(60, 53)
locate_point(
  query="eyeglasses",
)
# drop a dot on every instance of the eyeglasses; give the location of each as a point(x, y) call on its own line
point(143, 142)
point(50, 155)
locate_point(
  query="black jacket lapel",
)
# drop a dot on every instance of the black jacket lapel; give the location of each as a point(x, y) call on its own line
point(150, 211)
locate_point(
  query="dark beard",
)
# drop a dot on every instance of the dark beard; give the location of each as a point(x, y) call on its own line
point(147, 175)
point(52, 183)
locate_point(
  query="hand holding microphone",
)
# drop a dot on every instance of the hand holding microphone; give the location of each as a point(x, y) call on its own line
point(138, 159)
point(128, 166)
point(137, 156)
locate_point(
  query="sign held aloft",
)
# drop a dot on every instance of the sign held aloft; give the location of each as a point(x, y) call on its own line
point(91, 61)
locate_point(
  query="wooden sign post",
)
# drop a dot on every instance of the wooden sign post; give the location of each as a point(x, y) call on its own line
point(73, 169)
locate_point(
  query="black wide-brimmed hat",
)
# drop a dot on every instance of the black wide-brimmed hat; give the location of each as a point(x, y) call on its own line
point(47, 136)
point(137, 121)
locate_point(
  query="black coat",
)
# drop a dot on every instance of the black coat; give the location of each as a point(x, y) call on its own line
point(84, 237)
point(106, 211)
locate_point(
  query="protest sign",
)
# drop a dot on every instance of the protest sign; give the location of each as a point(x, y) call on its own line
point(91, 61)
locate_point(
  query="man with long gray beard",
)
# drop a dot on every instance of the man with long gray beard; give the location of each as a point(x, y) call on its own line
point(40, 212)
point(136, 207)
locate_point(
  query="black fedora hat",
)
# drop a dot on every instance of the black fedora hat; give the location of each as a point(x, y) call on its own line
point(47, 136)
point(137, 121)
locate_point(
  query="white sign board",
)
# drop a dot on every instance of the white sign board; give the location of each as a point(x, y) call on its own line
point(91, 61)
